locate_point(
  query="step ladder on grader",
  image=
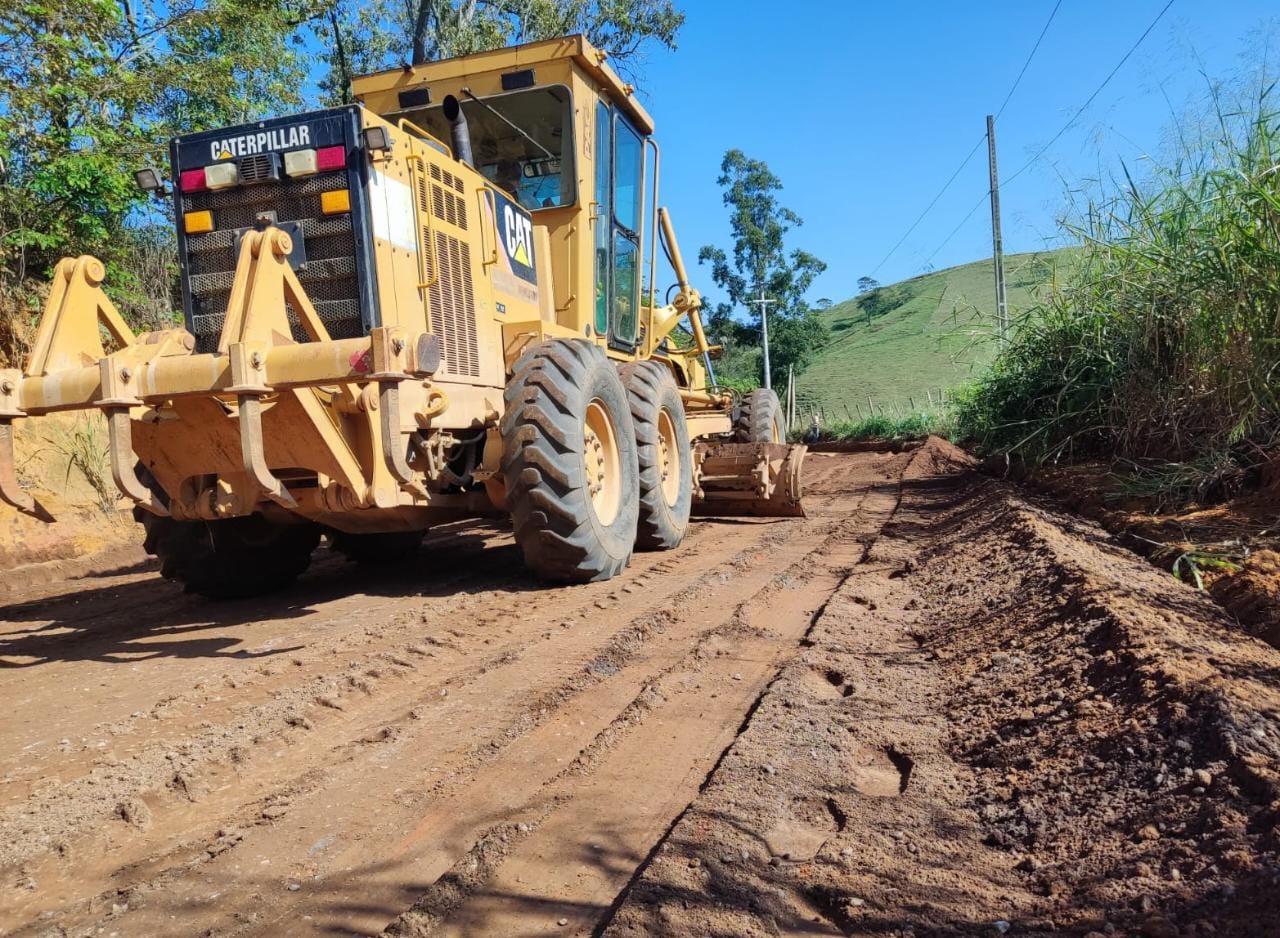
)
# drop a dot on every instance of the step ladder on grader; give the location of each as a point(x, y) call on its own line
point(384, 330)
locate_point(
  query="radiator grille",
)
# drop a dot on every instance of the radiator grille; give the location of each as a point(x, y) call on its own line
point(451, 299)
point(329, 276)
point(453, 307)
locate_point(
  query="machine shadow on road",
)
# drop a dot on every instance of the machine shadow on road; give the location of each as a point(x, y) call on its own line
point(128, 621)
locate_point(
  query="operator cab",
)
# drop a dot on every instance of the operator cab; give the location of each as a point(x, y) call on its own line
point(554, 127)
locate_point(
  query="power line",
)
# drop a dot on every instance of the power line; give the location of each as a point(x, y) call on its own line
point(1065, 127)
point(1097, 91)
point(976, 147)
point(1034, 49)
point(956, 230)
point(941, 192)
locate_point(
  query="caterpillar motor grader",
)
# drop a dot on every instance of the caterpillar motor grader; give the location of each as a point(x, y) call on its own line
point(422, 307)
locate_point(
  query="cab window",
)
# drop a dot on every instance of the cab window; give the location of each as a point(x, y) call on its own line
point(628, 175)
point(617, 211)
point(522, 143)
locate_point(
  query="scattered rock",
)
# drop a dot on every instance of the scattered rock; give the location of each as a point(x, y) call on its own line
point(134, 811)
point(1157, 926)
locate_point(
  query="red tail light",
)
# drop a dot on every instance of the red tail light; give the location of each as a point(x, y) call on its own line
point(192, 180)
point(328, 158)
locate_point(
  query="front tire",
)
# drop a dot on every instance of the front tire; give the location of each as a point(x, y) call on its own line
point(759, 419)
point(569, 462)
point(664, 453)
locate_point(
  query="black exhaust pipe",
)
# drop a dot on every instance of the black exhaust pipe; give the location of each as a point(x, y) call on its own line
point(461, 132)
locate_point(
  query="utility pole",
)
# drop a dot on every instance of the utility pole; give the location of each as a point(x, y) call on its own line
point(997, 240)
point(764, 303)
point(791, 396)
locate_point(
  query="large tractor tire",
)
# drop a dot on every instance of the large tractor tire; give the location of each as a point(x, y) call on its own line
point(759, 419)
point(569, 462)
point(389, 547)
point(664, 455)
point(232, 558)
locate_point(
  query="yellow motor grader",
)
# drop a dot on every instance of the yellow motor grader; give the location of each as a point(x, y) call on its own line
point(429, 305)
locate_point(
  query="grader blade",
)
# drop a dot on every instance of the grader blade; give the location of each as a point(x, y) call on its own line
point(748, 479)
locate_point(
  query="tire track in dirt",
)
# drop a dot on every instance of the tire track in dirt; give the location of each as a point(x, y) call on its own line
point(285, 720)
point(597, 824)
point(511, 670)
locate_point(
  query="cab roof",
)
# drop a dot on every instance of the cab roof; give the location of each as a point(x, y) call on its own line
point(577, 48)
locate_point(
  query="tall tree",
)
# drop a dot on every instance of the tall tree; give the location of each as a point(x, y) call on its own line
point(92, 89)
point(759, 261)
point(367, 35)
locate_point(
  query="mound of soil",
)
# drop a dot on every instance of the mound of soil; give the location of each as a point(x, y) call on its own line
point(1002, 723)
point(1232, 544)
point(84, 525)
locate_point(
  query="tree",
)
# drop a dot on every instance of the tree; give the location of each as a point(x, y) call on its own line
point(823, 304)
point(866, 284)
point(760, 260)
point(92, 89)
point(368, 35)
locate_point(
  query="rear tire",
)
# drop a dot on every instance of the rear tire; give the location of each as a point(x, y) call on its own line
point(388, 547)
point(759, 419)
point(232, 558)
point(664, 454)
point(569, 462)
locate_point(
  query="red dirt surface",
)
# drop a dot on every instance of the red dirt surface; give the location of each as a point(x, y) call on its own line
point(1237, 535)
point(931, 708)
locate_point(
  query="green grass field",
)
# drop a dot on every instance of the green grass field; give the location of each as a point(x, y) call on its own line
point(902, 343)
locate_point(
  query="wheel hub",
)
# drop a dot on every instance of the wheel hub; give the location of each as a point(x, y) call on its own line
point(668, 458)
point(601, 463)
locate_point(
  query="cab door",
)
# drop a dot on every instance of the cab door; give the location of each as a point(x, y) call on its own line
point(619, 200)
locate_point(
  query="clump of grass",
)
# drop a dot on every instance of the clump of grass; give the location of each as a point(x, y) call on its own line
point(85, 448)
point(912, 426)
point(1163, 343)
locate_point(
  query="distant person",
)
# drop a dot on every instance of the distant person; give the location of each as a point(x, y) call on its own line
point(814, 433)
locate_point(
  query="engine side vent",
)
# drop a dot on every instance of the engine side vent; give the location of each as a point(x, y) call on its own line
point(448, 207)
point(453, 308)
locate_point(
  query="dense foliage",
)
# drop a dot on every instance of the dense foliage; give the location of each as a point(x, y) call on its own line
point(91, 90)
point(1162, 341)
point(367, 35)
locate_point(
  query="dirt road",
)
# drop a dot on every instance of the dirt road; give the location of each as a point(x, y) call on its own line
point(796, 726)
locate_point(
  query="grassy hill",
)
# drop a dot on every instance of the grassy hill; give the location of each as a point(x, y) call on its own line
point(902, 343)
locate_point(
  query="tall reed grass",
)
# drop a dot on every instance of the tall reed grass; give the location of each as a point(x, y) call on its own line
point(1162, 341)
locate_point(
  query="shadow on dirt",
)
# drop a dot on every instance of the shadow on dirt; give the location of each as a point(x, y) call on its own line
point(153, 618)
point(127, 623)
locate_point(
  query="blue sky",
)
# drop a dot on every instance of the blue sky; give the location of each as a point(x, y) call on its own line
point(864, 109)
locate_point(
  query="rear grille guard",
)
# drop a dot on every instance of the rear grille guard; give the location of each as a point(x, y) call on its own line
point(330, 273)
